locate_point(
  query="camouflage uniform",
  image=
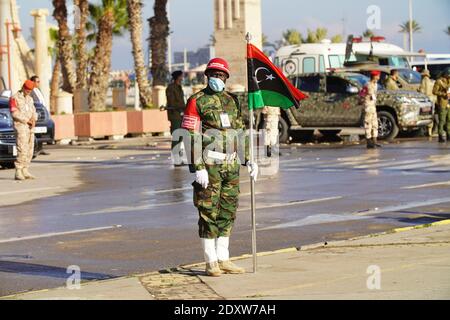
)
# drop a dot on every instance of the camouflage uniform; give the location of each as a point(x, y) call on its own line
point(175, 107)
point(370, 111)
point(391, 84)
point(217, 204)
point(426, 87)
point(440, 90)
point(271, 117)
point(23, 110)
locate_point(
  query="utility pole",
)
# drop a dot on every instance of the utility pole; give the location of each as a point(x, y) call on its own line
point(411, 43)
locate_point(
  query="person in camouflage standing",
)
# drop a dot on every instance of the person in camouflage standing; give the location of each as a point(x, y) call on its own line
point(391, 81)
point(271, 118)
point(370, 110)
point(426, 87)
point(441, 90)
point(175, 108)
point(24, 115)
point(211, 116)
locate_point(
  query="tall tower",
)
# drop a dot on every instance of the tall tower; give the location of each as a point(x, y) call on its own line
point(233, 19)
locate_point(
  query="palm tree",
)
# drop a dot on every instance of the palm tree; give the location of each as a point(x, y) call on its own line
point(292, 37)
point(54, 53)
point(368, 34)
point(337, 39)
point(81, 54)
point(109, 18)
point(315, 36)
point(447, 31)
point(64, 45)
point(134, 8)
point(159, 31)
point(405, 27)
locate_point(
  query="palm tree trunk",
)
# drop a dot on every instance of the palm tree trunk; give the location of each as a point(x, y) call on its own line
point(134, 8)
point(101, 63)
point(54, 85)
point(80, 53)
point(64, 45)
point(159, 31)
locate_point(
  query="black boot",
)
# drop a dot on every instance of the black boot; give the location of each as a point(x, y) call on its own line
point(375, 143)
point(370, 144)
point(269, 151)
point(442, 139)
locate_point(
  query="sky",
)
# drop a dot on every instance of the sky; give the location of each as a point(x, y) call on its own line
point(192, 22)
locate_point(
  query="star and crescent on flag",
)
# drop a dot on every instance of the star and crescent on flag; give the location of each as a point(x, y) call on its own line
point(267, 85)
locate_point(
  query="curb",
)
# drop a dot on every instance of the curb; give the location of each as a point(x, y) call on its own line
point(259, 254)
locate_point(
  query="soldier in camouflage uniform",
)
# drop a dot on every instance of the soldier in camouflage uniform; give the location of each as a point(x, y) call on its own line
point(441, 90)
point(175, 109)
point(426, 87)
point(271, 119)
point(24, 115)
point(210, 116)
point(391, 81)
point(370, 111)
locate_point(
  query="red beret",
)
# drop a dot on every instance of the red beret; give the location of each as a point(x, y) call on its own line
point(375, 73)
point(29, 85)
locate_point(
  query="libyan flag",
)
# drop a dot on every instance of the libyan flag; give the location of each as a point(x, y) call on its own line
point(267, 86)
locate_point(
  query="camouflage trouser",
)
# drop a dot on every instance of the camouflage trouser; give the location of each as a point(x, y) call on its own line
point(271, 133)
point(218, 203)
point(444, 121)
point(25, 146)
point(371, 123)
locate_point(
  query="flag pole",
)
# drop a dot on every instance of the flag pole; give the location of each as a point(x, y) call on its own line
point(248, 37)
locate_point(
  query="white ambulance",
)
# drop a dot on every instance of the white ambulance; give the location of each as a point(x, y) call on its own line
point(320, 57)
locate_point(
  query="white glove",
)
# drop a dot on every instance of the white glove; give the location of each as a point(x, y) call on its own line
point(201, 177)
point(252, 169)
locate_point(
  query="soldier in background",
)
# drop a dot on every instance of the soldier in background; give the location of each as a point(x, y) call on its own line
point(441, 90)
point(271, 120)
point(426, 87)
point(391, 81)
point(24, 115)
point(370, 110)
point(175, 109)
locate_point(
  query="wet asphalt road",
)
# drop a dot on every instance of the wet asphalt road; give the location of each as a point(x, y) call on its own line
point(140, 209)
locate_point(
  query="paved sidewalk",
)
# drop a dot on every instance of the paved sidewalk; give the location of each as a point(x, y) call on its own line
point(411, 263)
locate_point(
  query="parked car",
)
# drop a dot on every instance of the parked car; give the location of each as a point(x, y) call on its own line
point(334, 104)
point(45, 127)
point(436, 67)
point(8, 148)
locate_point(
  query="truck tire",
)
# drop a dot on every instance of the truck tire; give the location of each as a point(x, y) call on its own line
point(283, 129)
point(387, 126)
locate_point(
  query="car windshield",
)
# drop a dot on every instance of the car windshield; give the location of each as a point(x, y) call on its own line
point(362, 80)
point(410, 76)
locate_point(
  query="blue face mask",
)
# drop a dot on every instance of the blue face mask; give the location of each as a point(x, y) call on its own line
point(216, 84)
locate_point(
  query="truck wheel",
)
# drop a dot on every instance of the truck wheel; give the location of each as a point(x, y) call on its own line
point(283, 129)
point(387, 126)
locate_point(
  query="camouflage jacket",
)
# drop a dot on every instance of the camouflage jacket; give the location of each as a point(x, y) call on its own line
point(203, 118)
point(440, 90)
point(391, 84)
point(426, 87)
point(22, 109)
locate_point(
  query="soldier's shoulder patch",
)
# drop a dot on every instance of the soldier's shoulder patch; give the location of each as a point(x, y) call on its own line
point(197, 95)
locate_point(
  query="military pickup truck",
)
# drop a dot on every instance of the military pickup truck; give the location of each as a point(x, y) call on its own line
point(334, 104)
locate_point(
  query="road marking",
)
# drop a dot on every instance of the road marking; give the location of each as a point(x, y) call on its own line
point(48, 235)
point(434, 184)
point(403, 206)
point(415, 166)
point(292, 203)
point(28, 190)
point(381, 165)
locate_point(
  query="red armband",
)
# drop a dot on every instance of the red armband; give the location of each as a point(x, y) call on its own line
point(191, 118)
point(13, 105)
